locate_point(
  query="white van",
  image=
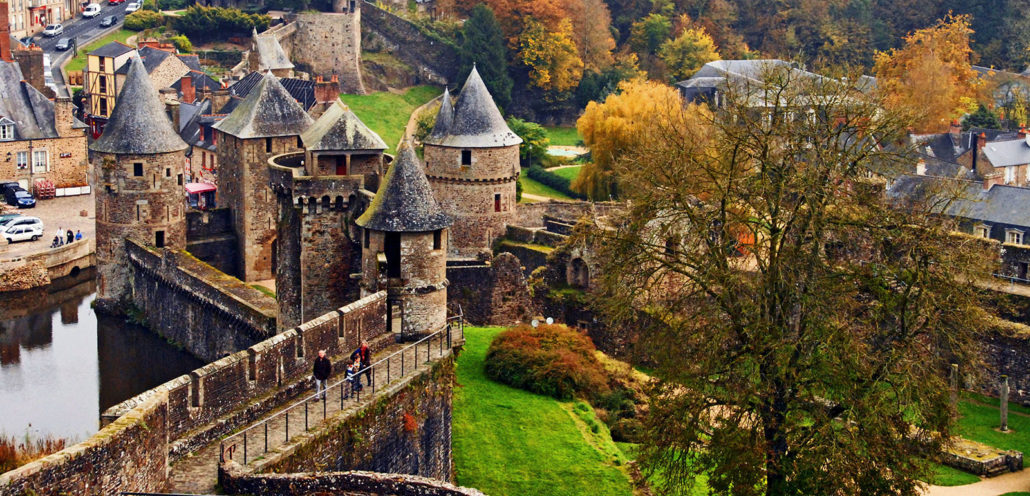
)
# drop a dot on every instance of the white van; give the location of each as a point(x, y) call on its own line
point(92, 10)
point(22, 232)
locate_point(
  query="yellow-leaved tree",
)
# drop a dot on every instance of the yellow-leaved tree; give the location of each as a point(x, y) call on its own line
point(932, 75)
point(686, 53)
point(620, 123)
point(550, 55)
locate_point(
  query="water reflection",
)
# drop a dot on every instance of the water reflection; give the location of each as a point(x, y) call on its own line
point(61, 364)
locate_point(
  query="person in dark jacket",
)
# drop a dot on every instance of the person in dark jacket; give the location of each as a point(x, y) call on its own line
point(323, 368)
point(364, 353)
point(70, 235)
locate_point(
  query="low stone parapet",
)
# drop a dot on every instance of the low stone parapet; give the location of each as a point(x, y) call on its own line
point(351, 483)
point(980, 459)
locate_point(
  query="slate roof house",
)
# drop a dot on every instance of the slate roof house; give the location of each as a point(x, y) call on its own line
point(709, 83)
point(989, 155)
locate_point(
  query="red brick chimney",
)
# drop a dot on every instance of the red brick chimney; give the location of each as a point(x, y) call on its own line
point(1022, 131)
point(955, 129)
point(327, 91)
point(5, 35)
point(189, 94)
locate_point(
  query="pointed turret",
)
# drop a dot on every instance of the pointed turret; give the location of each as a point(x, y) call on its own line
point(339, 129)
point(404, 202)
point(477, 122)
point(138, 125)
point(268, 111)
point(444, 119)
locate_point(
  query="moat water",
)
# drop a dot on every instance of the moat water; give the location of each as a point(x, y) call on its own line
point(62, 364)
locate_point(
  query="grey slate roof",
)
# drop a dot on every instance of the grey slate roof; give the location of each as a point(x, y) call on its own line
point(138, 125)
point(152, 57)
point(404, 202)
point(301, 90)
point(1006, 153)
point(30, 111)
point(339, 129)
point(477, 123)
point(112, 49)
point(444, 118)
point(269, 110)
point(999, 205)
point(270, 53)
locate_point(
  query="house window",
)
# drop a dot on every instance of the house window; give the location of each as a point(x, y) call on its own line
point(102, 64)
point(437, 238)
point(103, 84)
point(497, 202)
point(137, 169)
point(983, 231)
point(1014, 236)
point(23, 160)
point(40, 161)
point(1010, 175)
point(466, 157)
point(6, 132)
point(103, 107)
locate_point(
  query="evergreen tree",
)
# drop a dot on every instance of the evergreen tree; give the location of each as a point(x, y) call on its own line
point(483, 45)
point(982, 118)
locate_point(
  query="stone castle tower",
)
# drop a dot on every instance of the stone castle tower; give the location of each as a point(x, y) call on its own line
point(404, 248)
point(319, 192)
point(267, 122)
point(138, 165)
point(472, 162)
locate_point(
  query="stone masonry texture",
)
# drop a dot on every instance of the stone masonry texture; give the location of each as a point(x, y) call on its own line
point(330, 43)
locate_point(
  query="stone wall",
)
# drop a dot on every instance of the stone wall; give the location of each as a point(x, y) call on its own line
point(352, 483)
point(327, 43)
point(489, 293)
point(191, 303)
point(434, 60)
point(68, 162)
point(532, 214)
point(405, 430)
point(39, 269)
point(210, 237)
point(128, 454)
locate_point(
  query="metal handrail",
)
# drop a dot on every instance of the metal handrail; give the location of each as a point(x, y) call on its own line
point(1011, 278)
point(444, 331)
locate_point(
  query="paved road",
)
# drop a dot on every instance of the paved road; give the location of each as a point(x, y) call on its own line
point(58, 212)
point(83, 31)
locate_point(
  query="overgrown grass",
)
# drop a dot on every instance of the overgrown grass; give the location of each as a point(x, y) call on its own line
point(532, 187)
point(563, 136)
point(569, 173)
point(79, 62)
point(512, 442)
point(266, 291)
point(943, 475)
point(17, 452)
point(387, 113)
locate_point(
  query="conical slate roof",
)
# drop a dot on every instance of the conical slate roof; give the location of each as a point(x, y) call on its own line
point(339, 129)
point(404, 202)
point(267, 111)
point(138, 125)
point(477, 123)
point(444, 119)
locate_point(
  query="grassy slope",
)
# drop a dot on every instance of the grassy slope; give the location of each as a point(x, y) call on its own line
point(563, 136)
point(944, 475)
point(512, 442)
point(79, 62)
point(569, 173)
point(387, 113)
point(536, 188)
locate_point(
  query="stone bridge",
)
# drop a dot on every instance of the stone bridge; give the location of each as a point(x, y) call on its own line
point(237, 410)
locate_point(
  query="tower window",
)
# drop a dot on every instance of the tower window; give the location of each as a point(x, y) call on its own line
point(159, 239)
point(437, 238)
point(137, 169)
point(497, 202)
point(180, 179)
point(367, 236)
point(268, 145)
point(168, 172)
point(466, 157)
point(393, 254)
point(300, 142)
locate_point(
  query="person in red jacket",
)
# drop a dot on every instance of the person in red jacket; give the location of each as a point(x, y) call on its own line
point(365, 354)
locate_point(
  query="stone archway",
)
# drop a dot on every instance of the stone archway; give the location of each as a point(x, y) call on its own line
point(578, 275)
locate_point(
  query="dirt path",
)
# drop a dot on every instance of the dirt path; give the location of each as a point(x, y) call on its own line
point(409, 130)
point(1010, 482)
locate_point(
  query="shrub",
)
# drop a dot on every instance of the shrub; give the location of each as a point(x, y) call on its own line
point(143, 19)
point(553, 360)
point(533, 149)
point(553, 180)
point(15, 453)
point(202, 23)
point(182, 43)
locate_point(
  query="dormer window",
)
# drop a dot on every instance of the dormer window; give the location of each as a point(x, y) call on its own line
point(6, 131)
point(983, 231)
point(1014, 236)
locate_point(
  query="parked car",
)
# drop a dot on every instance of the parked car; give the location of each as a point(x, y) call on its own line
point(108, 21)
point(4, 186)
point(24, 220)
point(92, 10)
point(63, 44)
point(132, 7)
point(52, 30)
point(6, 218)
point(115, 2)
point(19, 198)
point(23, 232)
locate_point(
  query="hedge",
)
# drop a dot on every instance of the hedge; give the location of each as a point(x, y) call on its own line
point(144, 19)
point(552, 180)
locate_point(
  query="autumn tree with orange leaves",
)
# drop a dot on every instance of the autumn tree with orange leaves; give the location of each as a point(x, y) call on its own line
point(932, 75)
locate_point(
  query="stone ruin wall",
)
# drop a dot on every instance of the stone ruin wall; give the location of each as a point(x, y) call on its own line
point(327, 43)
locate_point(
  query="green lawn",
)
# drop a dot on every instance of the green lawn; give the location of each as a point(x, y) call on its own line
point(569, 173)
point(978, 422)
point(944, 475)
point(563, 136)
point(387, 113)
point(511, 442)
point(533, 187)
point(79, 62)
point(1022, 493)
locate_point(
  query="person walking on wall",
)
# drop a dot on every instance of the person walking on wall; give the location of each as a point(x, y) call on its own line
point(323, 368)
point(365, 354)
point(78, 235)
point(71, 236)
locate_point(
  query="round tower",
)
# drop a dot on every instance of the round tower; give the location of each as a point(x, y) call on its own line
point(404, 241)
point(472, 163)
point(138, 166)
